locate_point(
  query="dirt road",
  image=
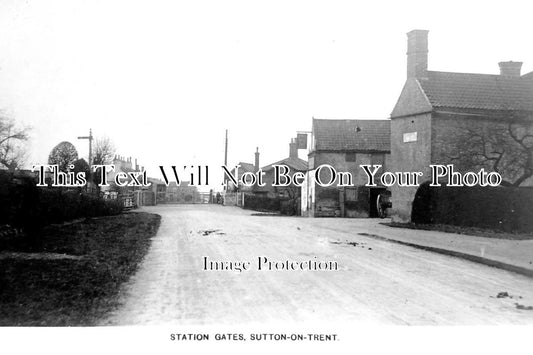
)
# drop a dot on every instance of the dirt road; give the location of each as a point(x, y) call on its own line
point(376, 282)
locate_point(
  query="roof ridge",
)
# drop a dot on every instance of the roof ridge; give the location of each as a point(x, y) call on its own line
point(462, 73)
point(298, 160)
point(352, 119)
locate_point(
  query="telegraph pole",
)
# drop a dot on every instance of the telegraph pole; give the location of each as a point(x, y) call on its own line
point(226, 160)
point(90, 138)
point(226, 150)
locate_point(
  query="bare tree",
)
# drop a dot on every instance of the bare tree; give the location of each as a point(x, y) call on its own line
point(12, 140)
point(104, 151)
point(503, 148)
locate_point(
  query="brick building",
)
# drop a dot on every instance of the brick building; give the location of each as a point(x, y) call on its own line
point(294, 164)
point(345, 145)
point(122, 165)
point(185, 193)
point(470, 120)
point(130, 194)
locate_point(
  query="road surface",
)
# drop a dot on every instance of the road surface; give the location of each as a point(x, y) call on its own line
point(376, 282)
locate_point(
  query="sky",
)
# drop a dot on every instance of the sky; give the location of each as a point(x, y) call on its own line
point(165, 79)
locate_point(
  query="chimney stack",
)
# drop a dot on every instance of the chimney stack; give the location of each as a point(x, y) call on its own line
point(510, 68)
point(417, 53)
point(256, 159)
point(293, 149)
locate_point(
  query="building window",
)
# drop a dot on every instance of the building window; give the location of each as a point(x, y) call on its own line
point(350, 157)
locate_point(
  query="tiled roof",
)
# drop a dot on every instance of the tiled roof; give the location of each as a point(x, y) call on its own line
point(355, 135)
point(478, 91)
point(528, 76)
point(156, 181)
point(245, 168)
point(293, 163)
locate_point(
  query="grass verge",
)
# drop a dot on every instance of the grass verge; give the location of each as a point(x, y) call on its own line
point(74, 291)
point(478, 232)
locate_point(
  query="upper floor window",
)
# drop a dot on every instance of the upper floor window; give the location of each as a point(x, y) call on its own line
point(378, 159)
point(351, 157)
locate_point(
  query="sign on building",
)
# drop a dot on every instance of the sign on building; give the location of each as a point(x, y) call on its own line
point(301, 141)
point(410, 137)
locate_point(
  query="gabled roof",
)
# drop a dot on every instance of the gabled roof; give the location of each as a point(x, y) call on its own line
point(352, 135)
point(296, 164)
point(463, 91)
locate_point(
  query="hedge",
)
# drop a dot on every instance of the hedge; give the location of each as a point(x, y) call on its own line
point(58, 205)
point(285, 206)
point(261, 203)
point(25, 206)
point(499, 208)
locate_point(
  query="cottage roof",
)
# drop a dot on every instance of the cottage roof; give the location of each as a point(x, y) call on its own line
point(352, 135)
point(478, 91)
point(245, 168)
point(292, 162)
point(155, 181)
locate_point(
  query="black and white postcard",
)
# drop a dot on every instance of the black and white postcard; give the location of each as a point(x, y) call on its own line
point(272, 177)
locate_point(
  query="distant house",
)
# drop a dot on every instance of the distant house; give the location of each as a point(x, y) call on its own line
point(159, 193)
point(267, 197)
point(184, 193)
point(470, 120)
point(345, 145)
point(294, 163)
point(129, 194)
point(148, 195)
point(122, 165)
point(243, 168)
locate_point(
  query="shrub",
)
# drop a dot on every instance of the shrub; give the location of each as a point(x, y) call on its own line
point(261, 203)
